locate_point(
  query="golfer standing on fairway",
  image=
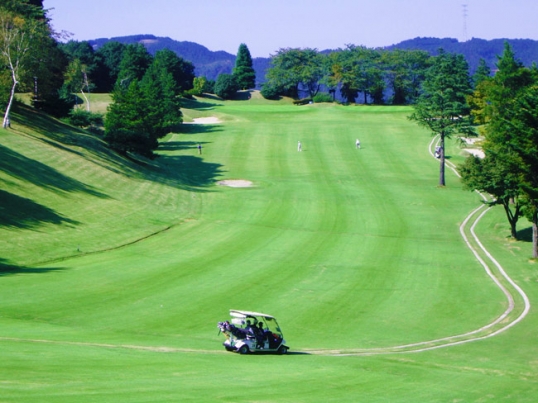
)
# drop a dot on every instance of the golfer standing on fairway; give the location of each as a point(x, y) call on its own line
point(299, 146)
point(358, 144)
point(199, 149)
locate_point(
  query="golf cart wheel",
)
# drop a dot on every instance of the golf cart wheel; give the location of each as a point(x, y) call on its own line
point(243, 349)
point(282, 350)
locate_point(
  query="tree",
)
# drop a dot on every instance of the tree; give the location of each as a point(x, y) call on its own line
point(96, 71)
point(76, 79)
point(226, 86)
point(482, 73)
point(17, 40)
point(507, 105)
point(32, 9)
point(404, 72)
point(243, 72)
point(198, 86)
point(45, 65)
point(493, 177)
point(182, 71)
point(144, 111)
point(126, 127)
point(47, 72)
point(161, 92)
point(523, 145)
point(295, 70)
point(134, 63)
point(442, 107)
point(111, 54)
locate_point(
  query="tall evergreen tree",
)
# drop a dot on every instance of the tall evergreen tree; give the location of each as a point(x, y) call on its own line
point(161, 94)
point(127, 128)
point(482, 73)
point(442, 106)
point(134, 63)
point(110, 55)
point(182, 71)
point(243, 72)
point(511, 131)
point(144, 111)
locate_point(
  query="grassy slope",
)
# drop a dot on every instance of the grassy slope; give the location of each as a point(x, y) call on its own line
point(348, 248)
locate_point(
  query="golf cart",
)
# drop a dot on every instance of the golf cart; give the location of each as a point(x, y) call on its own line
point(248, 332)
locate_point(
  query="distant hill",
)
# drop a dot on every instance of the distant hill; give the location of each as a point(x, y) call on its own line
point(206, 62)
point(475, 49)
point(212, 63)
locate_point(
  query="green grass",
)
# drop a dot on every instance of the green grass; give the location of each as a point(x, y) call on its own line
point(113, 274)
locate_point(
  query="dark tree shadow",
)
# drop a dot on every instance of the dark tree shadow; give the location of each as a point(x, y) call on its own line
point(188, 172)
point(181, 146)
point(16, 211)
point(199, 129)
point(23, 168)
point(7, 269)
point(173, 171)
point(198, 104)
point(525, 235)
point(242, 96)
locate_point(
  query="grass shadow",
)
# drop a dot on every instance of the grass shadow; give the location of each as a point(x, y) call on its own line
point(18, 166)
point(7, 269)
point(188, 172)
point(54, 133)
point(200, 103)
point(525, 235)
point(173, 171)
point(242, 96)
point(19, 212)
point(181, 146)
point(199, 128)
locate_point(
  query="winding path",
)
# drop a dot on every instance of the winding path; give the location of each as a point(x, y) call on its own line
point(518, 304)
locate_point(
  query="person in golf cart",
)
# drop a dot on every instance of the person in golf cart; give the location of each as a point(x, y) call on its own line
point(252, 331)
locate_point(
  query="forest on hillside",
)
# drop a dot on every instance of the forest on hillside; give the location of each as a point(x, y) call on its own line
point(212, 63)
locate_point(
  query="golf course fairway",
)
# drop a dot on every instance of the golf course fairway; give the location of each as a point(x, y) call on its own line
point(115, 272)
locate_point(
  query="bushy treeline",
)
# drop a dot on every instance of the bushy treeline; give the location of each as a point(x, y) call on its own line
point(506, 107)
point(354, 74)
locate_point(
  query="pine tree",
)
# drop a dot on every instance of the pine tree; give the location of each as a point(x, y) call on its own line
point(442, 107)
point(243, 71)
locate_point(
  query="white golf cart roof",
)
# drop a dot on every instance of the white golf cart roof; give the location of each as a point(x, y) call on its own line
point(243, 314)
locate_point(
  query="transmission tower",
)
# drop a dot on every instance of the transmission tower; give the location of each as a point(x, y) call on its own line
point(465, 13)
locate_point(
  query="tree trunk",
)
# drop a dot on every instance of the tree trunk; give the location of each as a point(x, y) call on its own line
point(442, 167)
point(512, 217)
point(86, 84)
point(535, 234)
point(87, 101)
point(5, 124)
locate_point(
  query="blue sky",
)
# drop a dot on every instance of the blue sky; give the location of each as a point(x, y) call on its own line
point(268, 25)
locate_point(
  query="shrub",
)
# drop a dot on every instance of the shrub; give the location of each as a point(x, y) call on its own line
point(198, 85)
point(82, 118)
point(323, 97)
point(270, 92)
point(226, 86)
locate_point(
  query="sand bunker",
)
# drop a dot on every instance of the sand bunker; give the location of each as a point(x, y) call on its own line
point(210, 120)
point(235, 183)
point(476, 152)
